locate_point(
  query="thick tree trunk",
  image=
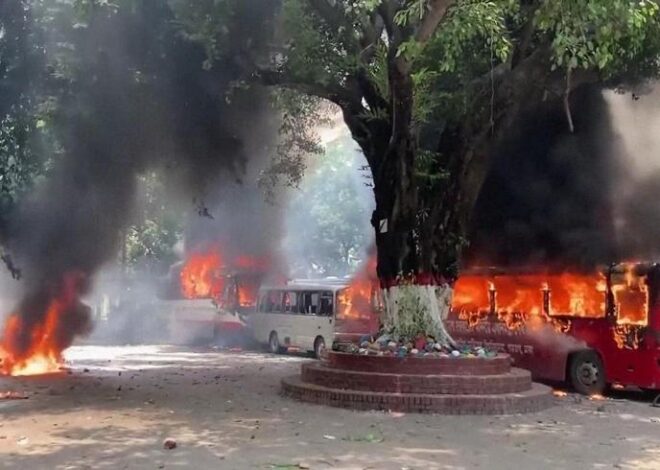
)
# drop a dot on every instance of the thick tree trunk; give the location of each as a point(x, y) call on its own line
point(416, 294)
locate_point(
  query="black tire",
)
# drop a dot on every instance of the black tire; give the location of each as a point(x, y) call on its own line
point(274, 344)
point(651, 393)
point(319, 347)
point(587, 373)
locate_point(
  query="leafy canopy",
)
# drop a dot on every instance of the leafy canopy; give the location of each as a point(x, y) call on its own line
point(458, 54)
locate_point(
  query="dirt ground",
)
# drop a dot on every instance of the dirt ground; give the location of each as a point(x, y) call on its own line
point(223, 409)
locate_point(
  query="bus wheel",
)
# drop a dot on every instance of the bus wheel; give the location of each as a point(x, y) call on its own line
point(274, 343)
point(653, 395)
point(587, 373)
point(319, 346)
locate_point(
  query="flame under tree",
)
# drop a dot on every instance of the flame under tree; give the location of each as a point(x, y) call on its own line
point(428, 88)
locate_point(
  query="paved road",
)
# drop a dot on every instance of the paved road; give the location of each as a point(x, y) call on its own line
point(118, 405)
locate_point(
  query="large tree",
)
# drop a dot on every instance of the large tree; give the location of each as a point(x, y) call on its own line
point(428, 88)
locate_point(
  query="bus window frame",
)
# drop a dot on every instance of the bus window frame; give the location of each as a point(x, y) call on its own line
point(296, 308)
point(331, 296)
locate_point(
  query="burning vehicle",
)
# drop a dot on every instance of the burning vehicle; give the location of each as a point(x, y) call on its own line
point(208, 297)
point(589, 329)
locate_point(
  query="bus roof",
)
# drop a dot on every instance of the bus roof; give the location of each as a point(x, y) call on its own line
point(307, 285)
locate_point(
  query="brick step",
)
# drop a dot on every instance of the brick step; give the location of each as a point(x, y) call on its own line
point(537, 398)
point(500, 364)
point(516, 380)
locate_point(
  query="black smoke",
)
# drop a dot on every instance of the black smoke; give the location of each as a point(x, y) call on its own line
point(565, 200)
point(137, 98)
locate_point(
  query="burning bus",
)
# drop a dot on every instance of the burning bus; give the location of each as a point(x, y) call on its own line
point(208, 296)
point(591, 330)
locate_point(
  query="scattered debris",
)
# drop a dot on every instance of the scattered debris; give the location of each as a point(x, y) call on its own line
point(169, 444)
point(13, 396)
point(371, 438)
point(289, 466)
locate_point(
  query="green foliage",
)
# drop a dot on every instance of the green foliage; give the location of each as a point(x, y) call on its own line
point(427, 170)
point(19, 165)
point(300, 116)
point(205, 22)
point(328, 220)
point(317, 52)
point(24, 113)
point(377, 70)
point(150, 242)
point(602, 34)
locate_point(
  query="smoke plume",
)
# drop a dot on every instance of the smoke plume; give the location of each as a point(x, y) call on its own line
point(573, 200)
point(141, 101)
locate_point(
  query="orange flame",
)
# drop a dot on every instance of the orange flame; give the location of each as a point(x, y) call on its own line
point(556, 294)
point(209, 275)
point(358, 299)
point(247, 295)
point(46, 340)
point(631, 298)
point(529, 299)
point(201, 275)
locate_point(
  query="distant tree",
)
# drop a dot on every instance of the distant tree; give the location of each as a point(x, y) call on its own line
point(327, 218)
point(24, 112)
point(149, 243)
point(125, 76)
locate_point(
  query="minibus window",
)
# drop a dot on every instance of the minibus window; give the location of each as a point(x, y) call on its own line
point(274, 301)
point(310, 303)
point(263, 302)
point(327, 304)
point(291, 302)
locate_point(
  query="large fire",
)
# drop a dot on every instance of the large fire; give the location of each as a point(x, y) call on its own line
point(534, 294)
point(34, 344)
point(517, 299)
point(201, 275)
point(247, 294)
point(209, 274)
point(358, 299)
point(631, 298)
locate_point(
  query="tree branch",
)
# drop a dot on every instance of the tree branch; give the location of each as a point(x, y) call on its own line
point(527, 33)
point(437, 9)
point(331, 92)
point(567, 104)
point(334, 17)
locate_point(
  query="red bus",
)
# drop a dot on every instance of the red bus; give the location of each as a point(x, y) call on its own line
point(590, 330)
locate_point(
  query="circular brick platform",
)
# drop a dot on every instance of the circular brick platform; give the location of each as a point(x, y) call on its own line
point(419, 384)
point(500, 364)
